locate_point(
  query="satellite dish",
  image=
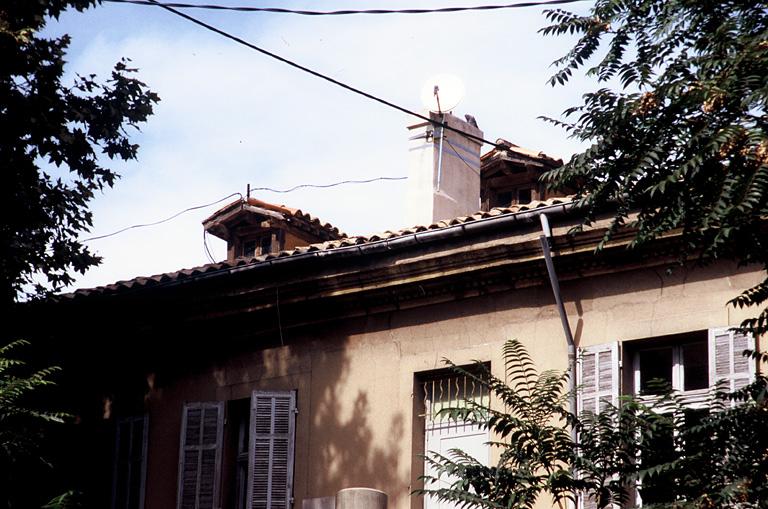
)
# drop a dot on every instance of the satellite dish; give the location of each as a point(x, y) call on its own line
point(442, 93)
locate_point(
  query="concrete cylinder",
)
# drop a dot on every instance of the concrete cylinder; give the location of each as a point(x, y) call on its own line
point(361, 498)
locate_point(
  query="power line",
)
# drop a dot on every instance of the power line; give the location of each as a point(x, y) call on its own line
point(460, 157)
point(205, 245)
point(280, 10)
point(324, 186)
point(197, 207)
point(155, 223)
point(317, 74)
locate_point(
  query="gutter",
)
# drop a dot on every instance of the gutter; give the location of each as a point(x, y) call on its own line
point(502, 221)
point(383, 245)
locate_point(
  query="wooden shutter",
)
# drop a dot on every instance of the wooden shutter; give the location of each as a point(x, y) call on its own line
point(271, 450)
point(726, 361)
point(200, 455)
point(597, 382)
point(597, 377)
point(130, 462)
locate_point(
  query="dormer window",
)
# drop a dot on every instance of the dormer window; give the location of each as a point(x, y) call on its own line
point(524, 195)
point(249, 249)
point(256, 247)
point(504, 199)
point(254, 228)
point(513, 196)
point(510, 175)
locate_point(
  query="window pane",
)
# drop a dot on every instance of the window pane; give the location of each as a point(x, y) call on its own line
point(265, 244)
point(695, 366)
point(655, 370)
point(504, 199)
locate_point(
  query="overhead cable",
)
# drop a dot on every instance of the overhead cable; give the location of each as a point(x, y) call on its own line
point(155, 223)
point(280, 10)
point(197, 207)
point(324, 186)
point(317, 74)
point(475, 170)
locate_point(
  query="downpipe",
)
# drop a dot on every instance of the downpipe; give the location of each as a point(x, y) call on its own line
point(545, 239)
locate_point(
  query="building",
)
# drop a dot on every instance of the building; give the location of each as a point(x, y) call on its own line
point(310, 361)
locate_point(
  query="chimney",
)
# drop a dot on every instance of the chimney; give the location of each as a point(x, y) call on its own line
point(443, 187)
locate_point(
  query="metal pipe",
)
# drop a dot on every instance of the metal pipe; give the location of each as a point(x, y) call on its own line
point(544, 239)
point(440, 151)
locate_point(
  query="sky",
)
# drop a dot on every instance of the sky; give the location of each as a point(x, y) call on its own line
point(230, 117)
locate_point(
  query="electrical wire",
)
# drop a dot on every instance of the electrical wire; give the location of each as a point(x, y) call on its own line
point(325, 186)
point(280, 10)
point(155, 223)
point(207, 249)
point(197, 207)
point(317, 74)
point(460, 157)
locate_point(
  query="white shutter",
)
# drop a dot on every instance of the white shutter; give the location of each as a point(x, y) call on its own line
point(271, 450)
point(726, 361)
point(597, 377)
point(597, 382)
point(200, 455)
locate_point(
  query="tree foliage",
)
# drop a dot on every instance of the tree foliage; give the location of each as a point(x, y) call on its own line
point(678, 133)
point(22, 424)
point(53, 144)
point(676, 457)
point(532, 432)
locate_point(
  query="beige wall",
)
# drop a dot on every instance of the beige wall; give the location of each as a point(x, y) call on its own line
point(355, 379)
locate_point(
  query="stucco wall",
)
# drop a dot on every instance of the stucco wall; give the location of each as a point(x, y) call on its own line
point(355, 380)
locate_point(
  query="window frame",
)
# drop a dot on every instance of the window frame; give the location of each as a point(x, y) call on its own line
point(695, 399)
point(131, 420)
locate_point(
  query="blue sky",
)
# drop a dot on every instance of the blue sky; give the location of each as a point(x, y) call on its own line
point(230, 116)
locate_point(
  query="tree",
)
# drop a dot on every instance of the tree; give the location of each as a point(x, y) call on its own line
point(52, 147)
point(678, 459)
point(54, 142)
point(532, 433)
point(679, 143)
point(22, 423)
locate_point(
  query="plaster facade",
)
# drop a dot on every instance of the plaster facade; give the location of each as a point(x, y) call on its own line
point(358, 421)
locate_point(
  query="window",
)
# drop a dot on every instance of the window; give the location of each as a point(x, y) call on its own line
point(513, 196)
point(249, 249)
point(263, 463)
point(691, 364)
point(256, 246)
point(682, 367)
point(236, 436)
point(504, 199)
point(446, 390)
point(130, 463)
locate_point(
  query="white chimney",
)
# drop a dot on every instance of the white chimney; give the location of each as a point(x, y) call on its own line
point(448, 186)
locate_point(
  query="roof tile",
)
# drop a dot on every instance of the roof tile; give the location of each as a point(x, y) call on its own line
point(324, 246)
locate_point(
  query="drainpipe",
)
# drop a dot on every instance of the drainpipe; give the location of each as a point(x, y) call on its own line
point(546, 235)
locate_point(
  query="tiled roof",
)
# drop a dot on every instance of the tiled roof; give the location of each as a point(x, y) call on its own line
point(281, 209)
point(512, 149)
point(330, 245)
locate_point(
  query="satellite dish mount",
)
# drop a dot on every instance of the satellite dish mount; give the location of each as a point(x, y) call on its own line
point(441, 94)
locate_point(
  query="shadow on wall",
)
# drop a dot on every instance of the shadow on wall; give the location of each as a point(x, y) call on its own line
point(356, 432)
